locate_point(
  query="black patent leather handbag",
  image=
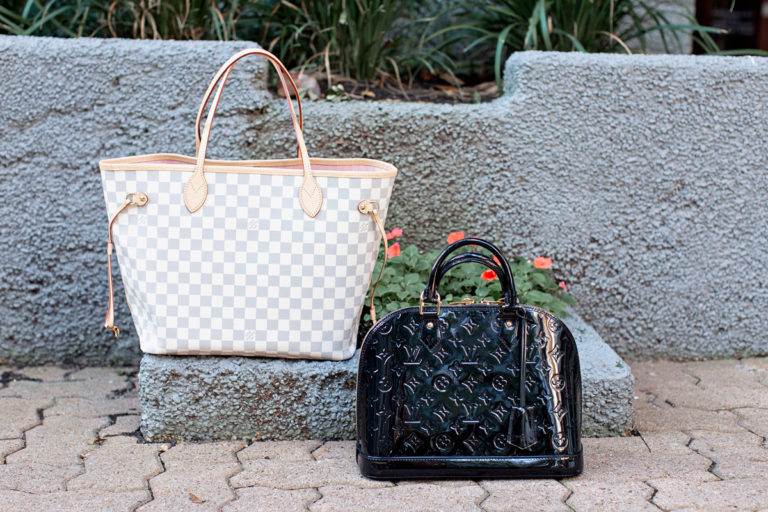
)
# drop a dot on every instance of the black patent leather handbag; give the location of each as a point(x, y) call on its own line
point(470, 390)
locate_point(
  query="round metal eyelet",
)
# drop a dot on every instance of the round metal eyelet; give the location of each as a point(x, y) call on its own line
point(430, 325)
point(509, 324)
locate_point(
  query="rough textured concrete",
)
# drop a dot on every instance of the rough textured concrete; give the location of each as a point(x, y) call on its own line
point(709, 465)
point(643, 176)
point(203, 398)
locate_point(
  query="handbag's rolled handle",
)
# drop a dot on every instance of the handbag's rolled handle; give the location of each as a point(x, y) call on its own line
point(470, 257)
point(196, 189)
point(279, 68)
point(508, 293)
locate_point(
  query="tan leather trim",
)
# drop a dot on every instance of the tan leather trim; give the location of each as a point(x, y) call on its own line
point(285, 167)
point(196, 191)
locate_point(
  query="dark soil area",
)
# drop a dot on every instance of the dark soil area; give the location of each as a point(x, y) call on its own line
point(427, 89)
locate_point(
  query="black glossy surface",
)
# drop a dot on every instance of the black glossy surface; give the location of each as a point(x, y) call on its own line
point(454, 400)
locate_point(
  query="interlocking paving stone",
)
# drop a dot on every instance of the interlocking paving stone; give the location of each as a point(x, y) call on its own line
point(184, 455)
point(758, 366)
point(36, 478)
point(44, 373)
point(101, 374)
point(335, 450)
point(9, 446)
point(708, 385)
point(607, 496)
point(279, 450)
point(736, 455)
point(59, 441)
point(658, 416)
point(195, 477)
point(61, 389)
point(511, 495)
point(413, 498)
point(19, 414)
point(670, 443)
point(72, 501)
point(737, 494)
point(754, 420)
point(262, 498)
point(194, 488)
point(120, 464)
point(669, 381)
point(727, 384)
point(127, 424)
point(93, 408)
point(444, 483)
point(629, 458)
point(298, 474)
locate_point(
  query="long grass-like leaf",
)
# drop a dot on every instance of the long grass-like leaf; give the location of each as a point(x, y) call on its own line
point(500, 43)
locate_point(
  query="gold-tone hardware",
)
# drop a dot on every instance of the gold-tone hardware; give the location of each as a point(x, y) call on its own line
point(137, 199)
point(492, 302)
point(438, 304)
point(368, 207)
point(509, 324)
point(430, 325)
point(466, 301)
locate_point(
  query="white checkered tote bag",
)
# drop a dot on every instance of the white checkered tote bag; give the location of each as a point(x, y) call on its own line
point(256, 258)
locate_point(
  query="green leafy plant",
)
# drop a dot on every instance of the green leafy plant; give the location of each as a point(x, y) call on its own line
point(500, 27)
point(362, 39)
point(407, 270)
point(140, 19)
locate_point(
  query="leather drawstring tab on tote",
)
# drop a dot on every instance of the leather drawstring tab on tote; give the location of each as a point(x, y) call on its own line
point(368, 207)
point(133, 199)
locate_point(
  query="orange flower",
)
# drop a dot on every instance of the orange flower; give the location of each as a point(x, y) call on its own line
point(563, 286)
point(542, 262)
point(455, 236)
point(395, 233)
point(393, 250)
point(488, 275)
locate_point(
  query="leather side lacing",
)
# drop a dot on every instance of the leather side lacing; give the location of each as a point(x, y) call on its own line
point(132, 199)
point(369, 207)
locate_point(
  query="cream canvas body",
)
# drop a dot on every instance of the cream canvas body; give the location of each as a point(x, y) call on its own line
point(266, 258)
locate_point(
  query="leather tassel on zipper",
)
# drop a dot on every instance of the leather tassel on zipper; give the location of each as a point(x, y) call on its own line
point(522, 426)
point(133, 199)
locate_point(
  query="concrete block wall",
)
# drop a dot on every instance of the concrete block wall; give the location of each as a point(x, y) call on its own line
point(644, 177)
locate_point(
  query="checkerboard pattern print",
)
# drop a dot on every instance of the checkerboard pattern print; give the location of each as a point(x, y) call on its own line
point(249, 273)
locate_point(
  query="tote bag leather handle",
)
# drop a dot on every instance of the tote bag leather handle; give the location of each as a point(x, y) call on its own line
point(279, 68)
point(196, 189)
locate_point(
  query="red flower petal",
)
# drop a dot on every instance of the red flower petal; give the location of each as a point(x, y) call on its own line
point(455, 236)
point(488, 275)
point(394, 233)
point(393, 250)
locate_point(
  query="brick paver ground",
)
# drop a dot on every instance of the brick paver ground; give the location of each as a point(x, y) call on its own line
point(69, 440)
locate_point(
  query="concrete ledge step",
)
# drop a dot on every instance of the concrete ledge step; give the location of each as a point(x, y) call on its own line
point(214, 398)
